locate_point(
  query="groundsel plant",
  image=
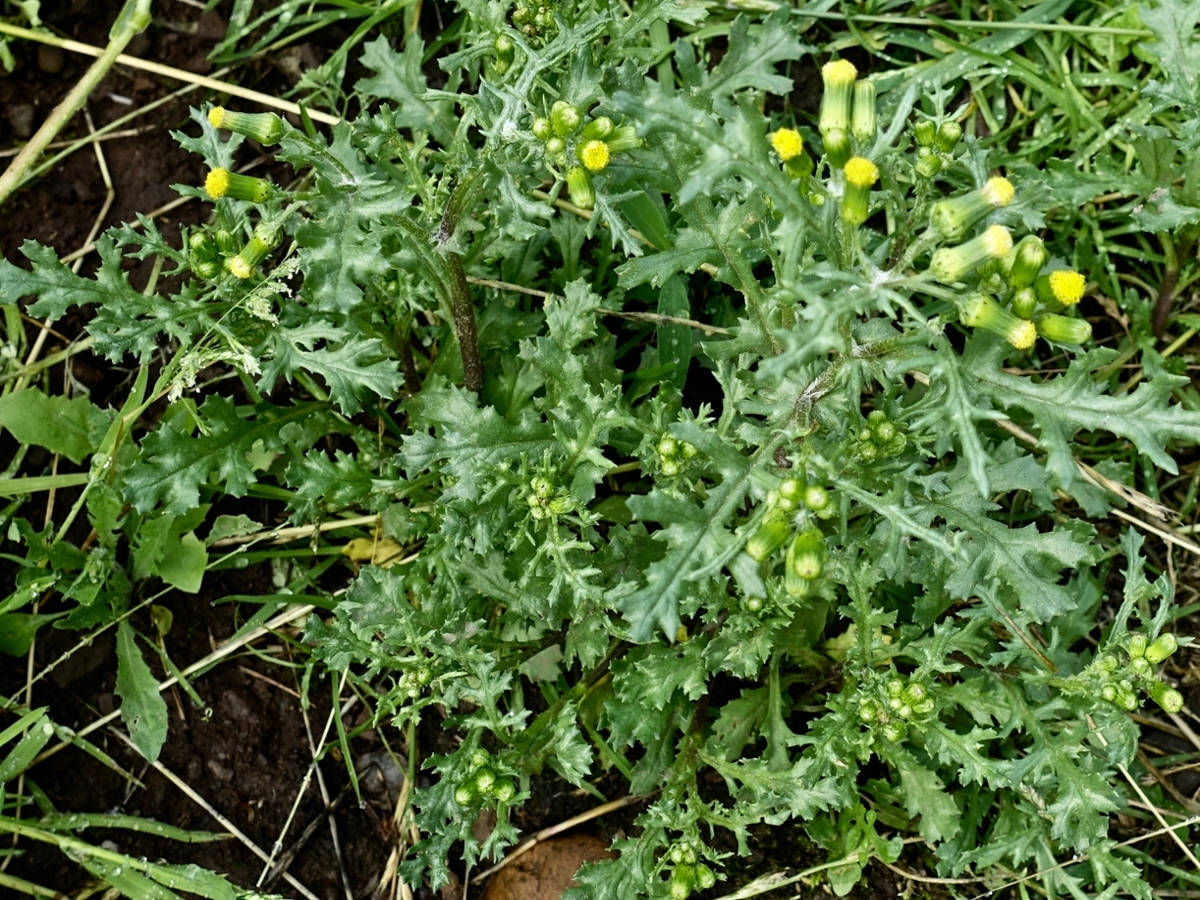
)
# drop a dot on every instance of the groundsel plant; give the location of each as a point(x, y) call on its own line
point(720, 443)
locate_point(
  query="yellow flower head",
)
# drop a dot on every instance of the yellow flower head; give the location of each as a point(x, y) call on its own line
point(594, 155)
point(238, 267)
point(997, 241)
point(216, 116)
point(1067, 286)
point(1022, 335)
point(787, 143)
point(216, 185)
point(839, 72)
point(998, 191)
point(861, 172)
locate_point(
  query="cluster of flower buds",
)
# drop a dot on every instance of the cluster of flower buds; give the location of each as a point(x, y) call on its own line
point(805, 556)
point(534, 21)
point(881, 438)
point(687, 872)
point(413, 683)
point(592, 144)
point(847, 117)
point(482, 783)
point(546, 501)
point(935, 144)
point(673, 455)
point(890, 707)
point(1119, 681)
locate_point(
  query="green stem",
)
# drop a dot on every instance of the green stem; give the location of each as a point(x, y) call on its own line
point(133, 19)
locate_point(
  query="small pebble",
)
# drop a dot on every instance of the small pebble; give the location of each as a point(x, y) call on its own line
point(20, 116)
point(50, 59)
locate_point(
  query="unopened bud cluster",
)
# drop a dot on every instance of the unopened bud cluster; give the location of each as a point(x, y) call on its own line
point(1118, 678)
point(547, 501)
point(935, 145)
point(482, 783)
point(881, 438)
point(688, 873)
point(535, 20)
point(673, 455)
point(582, 148)
point(888, 707)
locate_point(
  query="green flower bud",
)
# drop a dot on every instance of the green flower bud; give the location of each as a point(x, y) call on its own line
point(816, 497)
point(1109, 693)
point(868, 709)
point(895, 688)
point(915, 692)
point(1167, 697)
point(981, 311)
point(862, 119)
point(223, 183)
point(894, 732)
point(689, 854)
point(683, 880)
point(579, 186)
point(1141, 667)
point(623, 139)
point(261, 243)
point(1137, 645)
point(676, 855)
point(954, 216)
point(485, 780)
point(924, 707)
point(1024, 302)
point(1107, 664)
point(861, 174)
point(667, 446)
point(868, 451)
point(1164, 645)
point(838, 97)
point(542, 489)
point(670, 468)
point(506, 52)
point(806, 556)
point(949, 133)
point(1063, 287)
point(1127, 700)
point(884, 432)
point(201, 245)
point(564, 118)
point(791, 488)
point(924, 132)
point(769, 537)
point(952, 264)
point(837, 147)
point(597, 129)
point(207, 269)
point(556, 149)
point(541, 129)
point(928, 166)
point(226, 242)
point(1025, 261)
point(266, 128)
point(705, 877)
point(753, 604)
point(504, 790)
point(1064, 330)
point(464, 794)
point(688, 451)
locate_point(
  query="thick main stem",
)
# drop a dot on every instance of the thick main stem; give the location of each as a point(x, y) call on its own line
point(134, 18)
point(464, 323)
